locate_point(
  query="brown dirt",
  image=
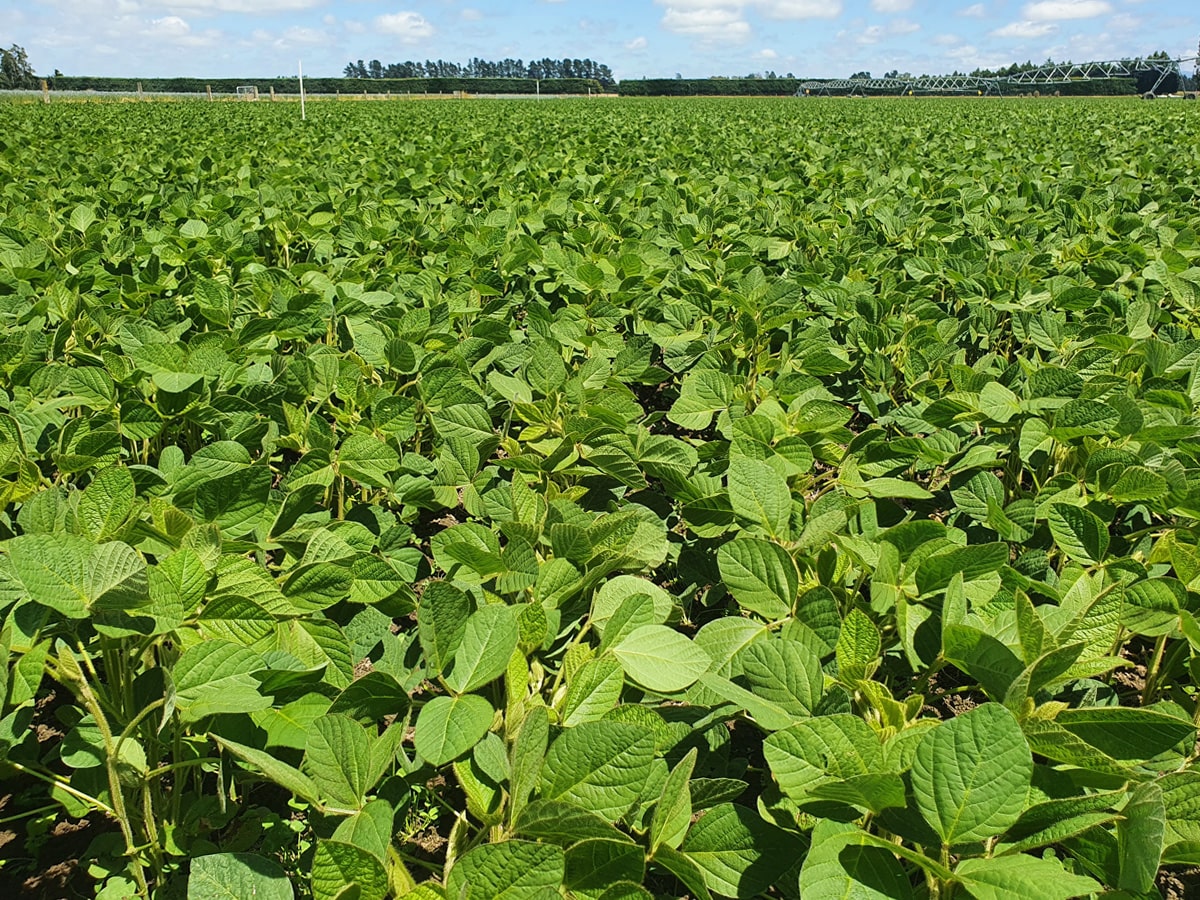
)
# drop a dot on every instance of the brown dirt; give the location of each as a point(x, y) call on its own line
point(56, 871)
point(1179, 885)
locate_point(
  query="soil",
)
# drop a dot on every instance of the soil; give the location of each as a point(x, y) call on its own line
point(951, 693)
point(1179, 884)
point(54, 873)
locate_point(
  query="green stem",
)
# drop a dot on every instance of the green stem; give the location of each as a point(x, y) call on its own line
point(29, 812)
point(1160, 646)
point(63, 786)
point(114, 784)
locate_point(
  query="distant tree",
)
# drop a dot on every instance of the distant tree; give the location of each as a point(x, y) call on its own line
point(375, 69)
point(15, 70)
point(861, 75)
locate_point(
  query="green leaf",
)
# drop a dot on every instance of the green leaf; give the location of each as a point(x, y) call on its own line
point(858, 648)
point(447, 727)
point(595, 863)
point(1125, 733)
point(1078, 532)
point(971, 775)
point(739, 854)
point(441, 622)
point(761, 576)
point(509, 870)
point(237, 876)
point(814, 750)
point(593, 690)
point(214, 677)
point(337, 866)
point(934, 573)
point(785, 673)
point(603, 766)
point(285, 776)
point(367, 460)
point(688, 872)
point(528, 754)
point(838, 867)
point(564, 823)
point(488, 641)
point(661, 659)
point(338, 758)
point(760, 495)
point(369, 829)
point(1021, 877)
point(1140, 835)
point(701, 395)
point(673, 811)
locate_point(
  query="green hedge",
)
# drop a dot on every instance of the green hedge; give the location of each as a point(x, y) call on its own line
point(690, 87)
point(328, 85)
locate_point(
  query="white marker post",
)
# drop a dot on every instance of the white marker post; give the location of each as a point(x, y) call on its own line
point(300, 72)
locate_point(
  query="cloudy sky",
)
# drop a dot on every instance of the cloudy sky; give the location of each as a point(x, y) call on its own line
point(635, 37)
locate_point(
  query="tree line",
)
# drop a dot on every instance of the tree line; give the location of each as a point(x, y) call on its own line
point(537, 69)
point(15, 70)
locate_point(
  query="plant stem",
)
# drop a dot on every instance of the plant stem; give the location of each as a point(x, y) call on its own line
point(1160, 646)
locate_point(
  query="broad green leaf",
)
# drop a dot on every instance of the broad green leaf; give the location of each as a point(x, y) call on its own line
point(1078, 532)
point(214, 677)
point(814, 750)
point(367, 460)
point(337, 866)
point(661, 659)
point(509, 870)
point(447, 727)
point(673, 811)
point(785, 673)
point(592, 690)
point(1140, 835)
point(237, 876)
point(971, 775)
point(760, 495)
point(594, 863)
point(488, 640)
point(1020, 877)
point(603, 766)
point(338, 758)
point(701, 396)
point(838, 867)
point(441, 622)
point(1125, 733)
point(858, 648)
point(761, 576)
point(739, 853)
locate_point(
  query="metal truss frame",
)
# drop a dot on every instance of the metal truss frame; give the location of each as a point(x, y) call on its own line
point(1064, 73)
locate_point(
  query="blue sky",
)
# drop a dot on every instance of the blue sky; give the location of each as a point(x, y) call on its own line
point(635, 37)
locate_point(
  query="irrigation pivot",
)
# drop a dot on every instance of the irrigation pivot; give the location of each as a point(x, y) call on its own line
point(1048, 76)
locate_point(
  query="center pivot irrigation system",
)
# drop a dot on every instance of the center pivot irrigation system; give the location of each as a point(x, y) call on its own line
point(1048, 76)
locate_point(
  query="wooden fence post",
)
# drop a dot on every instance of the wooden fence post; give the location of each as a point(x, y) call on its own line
point(45, 91)
point(208, 88)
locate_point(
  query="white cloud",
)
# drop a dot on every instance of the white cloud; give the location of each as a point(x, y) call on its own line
point(169, 27)
point(1125, 22)
point(711, 24)
point(800, 9)
point(767, 53)
point(249, 7)
point(974, 11)
point(946, 40)
point(638, 43)
point(1058, 10)
point(470, 14)
point(902, 26)
point(1025, 29)
point(871, 35)
point(891, 6)
point(410, 27)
